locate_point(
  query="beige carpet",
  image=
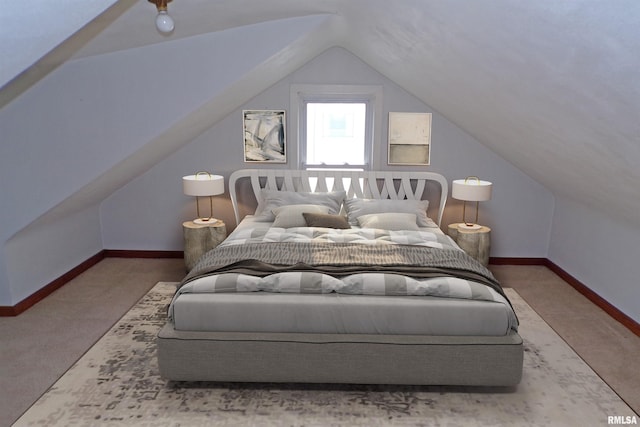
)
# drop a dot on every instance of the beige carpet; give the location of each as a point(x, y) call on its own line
point(116, 383)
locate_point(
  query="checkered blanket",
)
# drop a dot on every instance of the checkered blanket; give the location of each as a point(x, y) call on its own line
point(352, 261)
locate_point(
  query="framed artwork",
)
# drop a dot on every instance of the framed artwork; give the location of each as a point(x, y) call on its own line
point(264, 136)
point(409, 139)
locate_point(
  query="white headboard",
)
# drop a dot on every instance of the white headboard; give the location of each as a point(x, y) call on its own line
point(361, 184)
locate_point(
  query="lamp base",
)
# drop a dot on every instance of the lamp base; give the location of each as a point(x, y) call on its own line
point(469, 226)
point(206, 221)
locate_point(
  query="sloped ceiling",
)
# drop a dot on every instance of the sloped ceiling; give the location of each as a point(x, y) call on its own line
point(553, 87)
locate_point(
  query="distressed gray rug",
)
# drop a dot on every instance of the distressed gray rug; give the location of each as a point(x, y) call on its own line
point(116, 383)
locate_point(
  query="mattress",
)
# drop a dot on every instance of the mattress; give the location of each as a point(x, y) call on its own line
point(336, 313)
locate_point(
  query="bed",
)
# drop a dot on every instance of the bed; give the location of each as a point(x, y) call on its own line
point(340, 277)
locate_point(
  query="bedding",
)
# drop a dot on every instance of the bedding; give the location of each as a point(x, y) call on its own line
point(357, 207)
point(325, 220)
point(291, 215)
point(271, 199)
point(389, 221)
point(355, 261)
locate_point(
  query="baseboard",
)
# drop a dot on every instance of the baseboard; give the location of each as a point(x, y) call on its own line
point(6, 311)
point(48, 289)
point(612, 311)
point(516, 261)
point(126, 253)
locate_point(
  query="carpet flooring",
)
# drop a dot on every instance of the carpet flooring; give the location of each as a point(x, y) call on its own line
point(116, 383)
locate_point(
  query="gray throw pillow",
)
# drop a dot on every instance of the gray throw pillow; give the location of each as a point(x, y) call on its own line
point(326, 220)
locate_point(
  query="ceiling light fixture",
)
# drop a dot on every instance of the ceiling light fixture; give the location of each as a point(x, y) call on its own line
point(164, 22)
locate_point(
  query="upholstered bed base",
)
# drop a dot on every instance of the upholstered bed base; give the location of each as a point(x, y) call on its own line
point(328, 358)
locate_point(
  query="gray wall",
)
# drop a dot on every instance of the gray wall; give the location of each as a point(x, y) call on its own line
point(98, 120)
point(600, 252)
point(50, 249)
point(147, 212)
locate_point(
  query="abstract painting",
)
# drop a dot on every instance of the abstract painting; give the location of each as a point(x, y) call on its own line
point(264, 136)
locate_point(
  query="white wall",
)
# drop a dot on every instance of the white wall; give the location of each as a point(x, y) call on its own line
point(29, 32)
point(520, 211)
point(601, 253)
point(90, 115)
point(45, 252)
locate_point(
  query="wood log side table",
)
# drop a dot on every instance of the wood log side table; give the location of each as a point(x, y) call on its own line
point(201, 238)
point(476, 243)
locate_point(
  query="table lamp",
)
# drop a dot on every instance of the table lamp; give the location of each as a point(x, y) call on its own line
point(203, 184)
point(470, 189)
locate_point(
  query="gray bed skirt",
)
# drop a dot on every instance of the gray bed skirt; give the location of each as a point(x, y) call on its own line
point(330, 358)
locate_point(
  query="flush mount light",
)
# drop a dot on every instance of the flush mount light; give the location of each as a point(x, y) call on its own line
point(164, 22)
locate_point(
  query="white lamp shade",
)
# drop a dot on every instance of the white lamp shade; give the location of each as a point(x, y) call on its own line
point(203, 185)
point(471, 190)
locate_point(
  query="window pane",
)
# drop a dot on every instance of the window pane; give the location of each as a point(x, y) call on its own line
point(336, 133)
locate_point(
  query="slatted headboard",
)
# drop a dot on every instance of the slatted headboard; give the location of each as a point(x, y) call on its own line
point(361, 184)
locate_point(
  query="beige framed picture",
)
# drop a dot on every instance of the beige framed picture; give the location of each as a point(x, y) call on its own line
point(409, 139)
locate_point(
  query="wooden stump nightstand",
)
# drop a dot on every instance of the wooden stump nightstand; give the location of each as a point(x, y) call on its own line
point(201, 238)
point(475, 242)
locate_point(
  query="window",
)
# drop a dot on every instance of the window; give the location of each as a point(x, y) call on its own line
point(335, 134)
point(336, 125)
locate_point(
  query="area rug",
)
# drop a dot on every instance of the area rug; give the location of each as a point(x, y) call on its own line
point(117, 383)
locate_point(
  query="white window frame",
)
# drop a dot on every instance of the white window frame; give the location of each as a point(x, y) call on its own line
point(302, 94)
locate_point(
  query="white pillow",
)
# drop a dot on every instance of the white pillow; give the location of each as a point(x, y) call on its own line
point(358, 207)
point(272, 199)
point(389, 221)
point(291, 215)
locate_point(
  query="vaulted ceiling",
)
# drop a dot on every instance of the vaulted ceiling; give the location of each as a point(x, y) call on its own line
point(551, 86)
